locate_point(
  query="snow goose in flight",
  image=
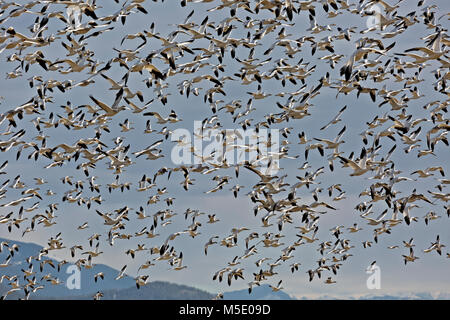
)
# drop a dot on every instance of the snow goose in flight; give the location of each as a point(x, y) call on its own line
point(278, 287)
point(435, 246)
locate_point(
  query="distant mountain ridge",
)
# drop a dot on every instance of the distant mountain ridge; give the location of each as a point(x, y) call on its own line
point(87, 284)
point(125, 288)
point(157, 290)
point(396, 296)
point(263, 292)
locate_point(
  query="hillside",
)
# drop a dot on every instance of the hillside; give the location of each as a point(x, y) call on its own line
point(87, 284)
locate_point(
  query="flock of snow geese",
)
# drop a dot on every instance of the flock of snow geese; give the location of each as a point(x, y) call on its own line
point(213, 61)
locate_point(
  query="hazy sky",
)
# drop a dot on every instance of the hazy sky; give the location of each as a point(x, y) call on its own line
point(429, 273)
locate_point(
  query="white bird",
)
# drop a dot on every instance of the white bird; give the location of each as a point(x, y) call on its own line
point(410, 257)
point(335, 120)
point(121, 273)
point(209, 243)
